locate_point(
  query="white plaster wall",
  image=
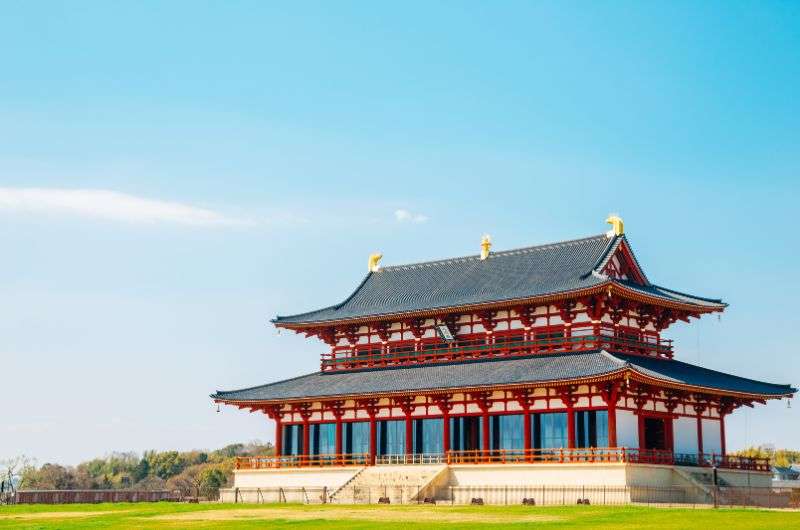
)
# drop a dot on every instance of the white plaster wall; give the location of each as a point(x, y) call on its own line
point(538, 474)
point(627, 429)
point(712, 442)
point(684, 431)
point(292, 478)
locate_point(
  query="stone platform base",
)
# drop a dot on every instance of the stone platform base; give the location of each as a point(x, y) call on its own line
point(611, 483)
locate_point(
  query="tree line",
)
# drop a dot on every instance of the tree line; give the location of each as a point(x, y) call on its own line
point(194, 473)
point(777, 457)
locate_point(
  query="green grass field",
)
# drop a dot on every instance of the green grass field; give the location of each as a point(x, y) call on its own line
point(169, 515)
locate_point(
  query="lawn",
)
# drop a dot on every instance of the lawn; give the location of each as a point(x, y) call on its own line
point(170, 515)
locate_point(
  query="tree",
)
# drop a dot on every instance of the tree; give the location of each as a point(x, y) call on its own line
point(48, 477)
point(167, 464)
point(141, 470)
point(211, 479)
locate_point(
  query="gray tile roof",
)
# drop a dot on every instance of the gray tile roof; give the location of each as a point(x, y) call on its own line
point(504, 276)
point(471, 374)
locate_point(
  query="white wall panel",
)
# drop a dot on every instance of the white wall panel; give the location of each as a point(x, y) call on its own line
point(627, 429)
point(684, 433)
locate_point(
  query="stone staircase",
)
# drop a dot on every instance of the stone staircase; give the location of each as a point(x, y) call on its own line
point(397, 484)
point(703, 482)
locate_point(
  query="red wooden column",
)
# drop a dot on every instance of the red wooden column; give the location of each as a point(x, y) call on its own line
point(370, 406)
point(570, 426)
point(595, 308)
point(485, 434)
point(726, 406)
point(406, 404)
point(444, 404)
point(338, 411)
point(446, 431)
point(409, 434)
point(525, 401)
point(699, 408)
point(305, 414)
point(569, 398)
point(567, 312)
point(483, 400)
point(699, 435)
point(274, 412)
point(610, 395)
point(373, 439)
point(526, 424)
point(278, 437)
point(306, 436)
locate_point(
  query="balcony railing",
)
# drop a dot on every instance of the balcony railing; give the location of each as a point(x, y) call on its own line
point(289, 461)
point(606, 455)
point(589, 455)
point(348, 360)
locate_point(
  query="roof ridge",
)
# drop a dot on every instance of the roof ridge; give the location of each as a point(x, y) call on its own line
point(624, 363)
point(509, 252)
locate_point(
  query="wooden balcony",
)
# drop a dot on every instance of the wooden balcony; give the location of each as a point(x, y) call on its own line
point(465, 350)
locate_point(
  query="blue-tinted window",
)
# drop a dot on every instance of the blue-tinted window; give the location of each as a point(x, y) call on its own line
point(466, 433)
point(552, 430)
point(392, 437)
point(323, 439)
point(591, 428)
point(428, 436)
point(356, 437)
point(507, 431)
point(292, 440)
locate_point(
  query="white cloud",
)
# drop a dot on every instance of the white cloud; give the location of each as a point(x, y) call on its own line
point(404, 216)
point(109, 205)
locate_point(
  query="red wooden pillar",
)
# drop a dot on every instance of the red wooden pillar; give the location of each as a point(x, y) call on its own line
point(612, 417)
point(338, 449)
point(526, 426)
point(409, 433)
point(445, 431)
point(306, 437)
point(699, 439)
point(278, 437)
point(483, 400)
point(569, 399)
point(337, 409)
point(722, 435)
point(444, 406)
point(485, 434)
point(373, 439)
point(525, 401)
point(570, 425)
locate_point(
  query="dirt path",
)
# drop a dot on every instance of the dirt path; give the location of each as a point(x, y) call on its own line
point(53, 515)
point(375, 514)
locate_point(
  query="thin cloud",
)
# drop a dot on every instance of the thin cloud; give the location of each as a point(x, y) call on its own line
point(109, 205)
point(404, 216)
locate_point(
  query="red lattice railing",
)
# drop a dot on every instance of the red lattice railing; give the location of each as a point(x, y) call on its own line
point(355, 359)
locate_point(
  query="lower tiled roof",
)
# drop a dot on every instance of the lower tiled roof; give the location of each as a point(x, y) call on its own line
point(520, 370)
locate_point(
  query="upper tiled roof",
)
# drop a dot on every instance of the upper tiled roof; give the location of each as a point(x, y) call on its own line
point(504, 276)
point(472, 374)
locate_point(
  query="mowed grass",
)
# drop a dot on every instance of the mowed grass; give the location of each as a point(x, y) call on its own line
point(172, 515)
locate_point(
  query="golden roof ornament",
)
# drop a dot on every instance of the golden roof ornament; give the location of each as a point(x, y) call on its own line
point(373, 261)
point(486, 244)
point(617, 226)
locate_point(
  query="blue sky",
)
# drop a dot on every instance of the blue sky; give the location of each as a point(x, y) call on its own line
point(172, 175)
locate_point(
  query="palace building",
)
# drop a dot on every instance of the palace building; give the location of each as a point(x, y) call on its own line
point(539, 365)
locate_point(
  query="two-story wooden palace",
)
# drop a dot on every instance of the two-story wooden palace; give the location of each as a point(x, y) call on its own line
point(551, 353)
